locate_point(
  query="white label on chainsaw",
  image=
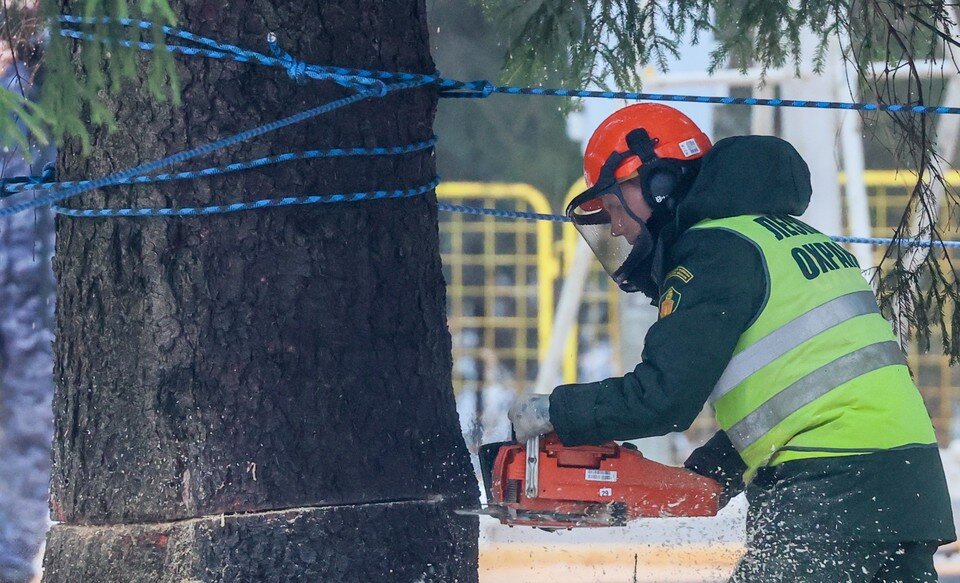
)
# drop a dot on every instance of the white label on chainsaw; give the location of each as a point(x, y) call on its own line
point(606, 492)
point(689, 147)
point(601, 476)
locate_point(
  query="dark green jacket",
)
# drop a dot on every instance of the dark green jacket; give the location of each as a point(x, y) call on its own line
point(897, 495)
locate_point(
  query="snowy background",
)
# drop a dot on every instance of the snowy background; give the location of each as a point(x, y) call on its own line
point(662, 550)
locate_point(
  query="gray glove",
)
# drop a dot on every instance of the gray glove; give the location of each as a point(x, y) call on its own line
point(530, 416)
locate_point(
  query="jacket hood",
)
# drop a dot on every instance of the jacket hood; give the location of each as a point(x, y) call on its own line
point(746, 175)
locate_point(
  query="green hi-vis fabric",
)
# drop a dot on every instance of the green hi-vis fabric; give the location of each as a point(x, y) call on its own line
point(818, 373)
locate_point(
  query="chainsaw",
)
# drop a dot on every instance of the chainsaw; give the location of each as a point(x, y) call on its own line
point(559, 487)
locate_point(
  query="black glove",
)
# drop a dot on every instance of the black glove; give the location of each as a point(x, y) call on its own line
point(718, 460)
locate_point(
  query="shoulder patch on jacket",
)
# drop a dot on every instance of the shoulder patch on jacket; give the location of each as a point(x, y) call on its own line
point(669, 301)
point(680, 272)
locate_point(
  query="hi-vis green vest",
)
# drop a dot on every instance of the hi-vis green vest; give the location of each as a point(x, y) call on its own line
point(818, 372)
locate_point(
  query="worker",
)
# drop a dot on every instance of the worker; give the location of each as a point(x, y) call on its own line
point(774, 325)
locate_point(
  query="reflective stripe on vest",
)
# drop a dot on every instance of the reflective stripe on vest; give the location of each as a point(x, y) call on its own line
point(791, 335)
point(818, 372)
point(812, 386)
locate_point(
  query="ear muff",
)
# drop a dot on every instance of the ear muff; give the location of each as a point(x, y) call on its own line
point(665, 181)
point(660, 185)
point(658, 181)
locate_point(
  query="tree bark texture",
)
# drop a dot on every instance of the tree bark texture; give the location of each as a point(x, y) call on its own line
point(290, 359)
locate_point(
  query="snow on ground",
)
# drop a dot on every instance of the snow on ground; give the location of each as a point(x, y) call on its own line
point(676, 550)
point(668, 550)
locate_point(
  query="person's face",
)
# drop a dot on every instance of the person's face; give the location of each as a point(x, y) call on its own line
point(621, 223)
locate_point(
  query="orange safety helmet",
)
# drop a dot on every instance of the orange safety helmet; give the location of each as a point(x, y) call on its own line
point(675, 135)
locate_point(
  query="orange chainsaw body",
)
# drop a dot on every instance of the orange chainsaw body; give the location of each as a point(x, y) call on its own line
point(584, 486)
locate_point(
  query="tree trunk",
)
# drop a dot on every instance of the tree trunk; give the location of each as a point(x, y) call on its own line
point(263, 395)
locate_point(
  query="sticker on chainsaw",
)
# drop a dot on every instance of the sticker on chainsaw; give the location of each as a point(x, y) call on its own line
point(601, 476)
point(689, 147)
point(607, 492)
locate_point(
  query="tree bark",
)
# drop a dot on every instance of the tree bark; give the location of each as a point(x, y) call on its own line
point(262, 395)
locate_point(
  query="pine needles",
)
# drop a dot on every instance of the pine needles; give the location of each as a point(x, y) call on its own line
point(893, 48)
point(75, 76)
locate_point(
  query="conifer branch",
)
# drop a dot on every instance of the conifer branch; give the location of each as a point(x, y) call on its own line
point(75, 75)
point(614, 39)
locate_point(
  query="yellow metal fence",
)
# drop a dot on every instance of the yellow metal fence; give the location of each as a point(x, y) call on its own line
point(500, 276)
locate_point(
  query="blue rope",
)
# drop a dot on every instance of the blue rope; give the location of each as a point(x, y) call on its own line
point(368, 83)
point(247, 206)
point(501, 214)
point(898, 242)
point(449, 87)
point(528, 216)
point(296, 69)
point(18, 183)
point(149, 167)
point(45, 182)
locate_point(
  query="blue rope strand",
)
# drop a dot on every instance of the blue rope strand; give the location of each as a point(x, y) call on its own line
point(296, 69)
point(501, 214)
point(149, 167)
point(461, 89)
point(889, 241)
point(247, 206)
point(359, 79)
point(18, 183)
point(37, 182)
point(528, 216)
point(149, 46)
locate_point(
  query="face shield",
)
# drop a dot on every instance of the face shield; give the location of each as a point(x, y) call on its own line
point(610, 223)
